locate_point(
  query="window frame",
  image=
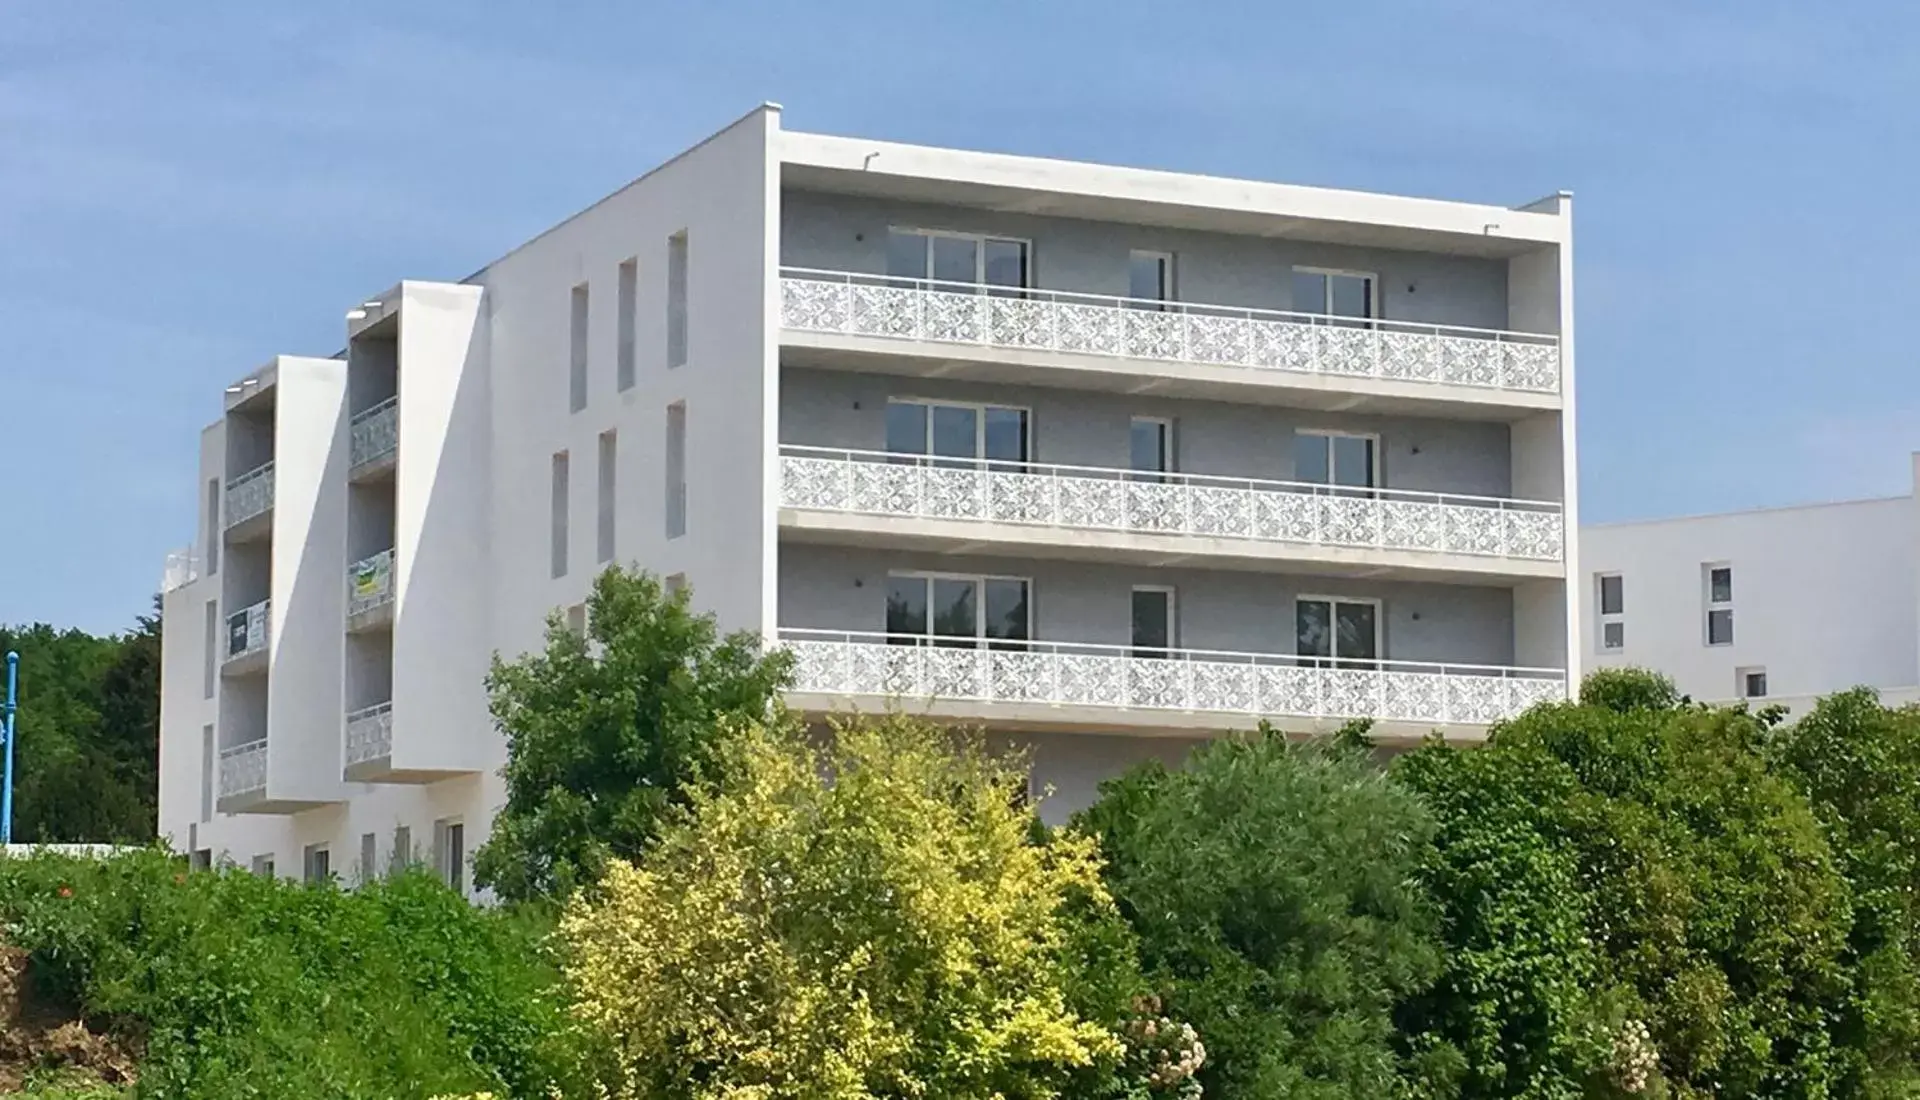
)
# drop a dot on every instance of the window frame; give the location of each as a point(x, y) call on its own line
point(1134, 648)
point(979, 256)
point(1169, 285)
point(1374, 312)
point(1711, 607)
point(1168, 449)
point(1334, 659)
point(979, 430)
point(980, 638)
point(1378, 473)
point(1604, 618)
point(1743, 678)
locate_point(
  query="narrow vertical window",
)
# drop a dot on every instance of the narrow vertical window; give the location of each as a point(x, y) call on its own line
point(316, 865)
point(209, 758)
point(603, 544)
point(677, 299)
point(213, 526)
point(1611, 596)
point(402, 857)
point(213, 636)
point(1152, 621)
point(577, 351)
point(1717, 578)
point(676, 467)
point(627, 307)
point(450, 852)
point(1150, 278)
point(369, 857)
point(558, 564)
point(1150, 448)
point(577, 620)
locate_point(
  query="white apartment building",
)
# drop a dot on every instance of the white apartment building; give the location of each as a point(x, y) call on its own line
point(1777, 606)
point(1101, 459)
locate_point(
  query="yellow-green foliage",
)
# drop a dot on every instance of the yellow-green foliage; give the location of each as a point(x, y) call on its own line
point(872, 917)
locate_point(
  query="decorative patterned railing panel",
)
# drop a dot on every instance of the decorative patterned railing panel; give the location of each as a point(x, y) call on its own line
point(370, 733)
point(250, 495)
point(1248, 685)
point(374, 432)
point(243, 768)
point(247, 630)
point(370, 583)
point(1185, 332)
point(1180, 504)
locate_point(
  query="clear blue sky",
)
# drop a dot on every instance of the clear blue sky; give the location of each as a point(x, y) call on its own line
point(187, 189)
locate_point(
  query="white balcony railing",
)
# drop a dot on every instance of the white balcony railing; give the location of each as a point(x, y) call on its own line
point(374, 432)
point(369, 733)
point(243, 768)
point(182, 569)
point(247, 630)
point(370, 583)
point(1247, 685)
point(1185, 332)
point(250, 495)
point(1090, 498)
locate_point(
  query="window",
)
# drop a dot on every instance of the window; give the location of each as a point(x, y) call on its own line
point(316, 865)
point(577, 620)
point(953, 610)
point(1153, 621)
point(677, 299)
point(676, 467)
point(676, 583)
point(1717, 579)
point(213, 635)
point(1150, 276)
point(1610, 596)
point(1346, 631)
point(263, 865)
point(402, 857)
point(557, 564)
point(627, 307)
point(209, 759)
point(1751, 682)
point(450, 853)
point(992, 432)
point(1336, 458)
point(201, 860)
point(369, 857)
point(1340, 294)
point(956, 258)
point(577, 351)
point(603, 543)
point(213, 526)
point(1150, 448)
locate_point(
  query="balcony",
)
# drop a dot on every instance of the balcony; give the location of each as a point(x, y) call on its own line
point(247, 639)
point(1399, 359)
point(182, 569)
point(1099, 512)
point(370, 592)
point(249, 502)
point(374, 439)
point(369, 741)
point(243, 772)
point(1075, 686)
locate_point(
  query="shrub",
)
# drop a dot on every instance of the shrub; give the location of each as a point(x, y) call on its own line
point(870, 918)
point(1272, 888)
point(240, 986)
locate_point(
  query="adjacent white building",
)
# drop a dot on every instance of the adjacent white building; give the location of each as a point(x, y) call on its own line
point(1778, 605)
point(1102, 459)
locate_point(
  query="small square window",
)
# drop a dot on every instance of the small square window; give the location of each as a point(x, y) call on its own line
point(1613, 635)
point(1720, 627)
point(1753, 683)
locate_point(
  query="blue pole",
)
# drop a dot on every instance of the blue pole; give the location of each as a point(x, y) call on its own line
point(6, 739)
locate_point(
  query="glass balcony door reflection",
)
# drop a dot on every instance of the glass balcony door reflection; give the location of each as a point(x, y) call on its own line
point(957, 436)
point(1335, 633)
point(997, 263)
point(960, 611)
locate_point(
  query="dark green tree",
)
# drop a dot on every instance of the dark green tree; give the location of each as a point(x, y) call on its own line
point(1273, 887)
point(606, 731)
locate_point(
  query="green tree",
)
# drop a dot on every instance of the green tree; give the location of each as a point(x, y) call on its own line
point(1272, 886)
point(88, 727)
point(1686, 887)
point(1859, 764)
point(869, 917)
point(606, 731)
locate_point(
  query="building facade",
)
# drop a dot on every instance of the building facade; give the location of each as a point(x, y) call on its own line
point(1101, 459)
point(1775, 606)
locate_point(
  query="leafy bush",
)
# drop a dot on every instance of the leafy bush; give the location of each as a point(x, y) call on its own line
point(605, 732)
point(1272, 887)
point(240, 986)
point(870, 918)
